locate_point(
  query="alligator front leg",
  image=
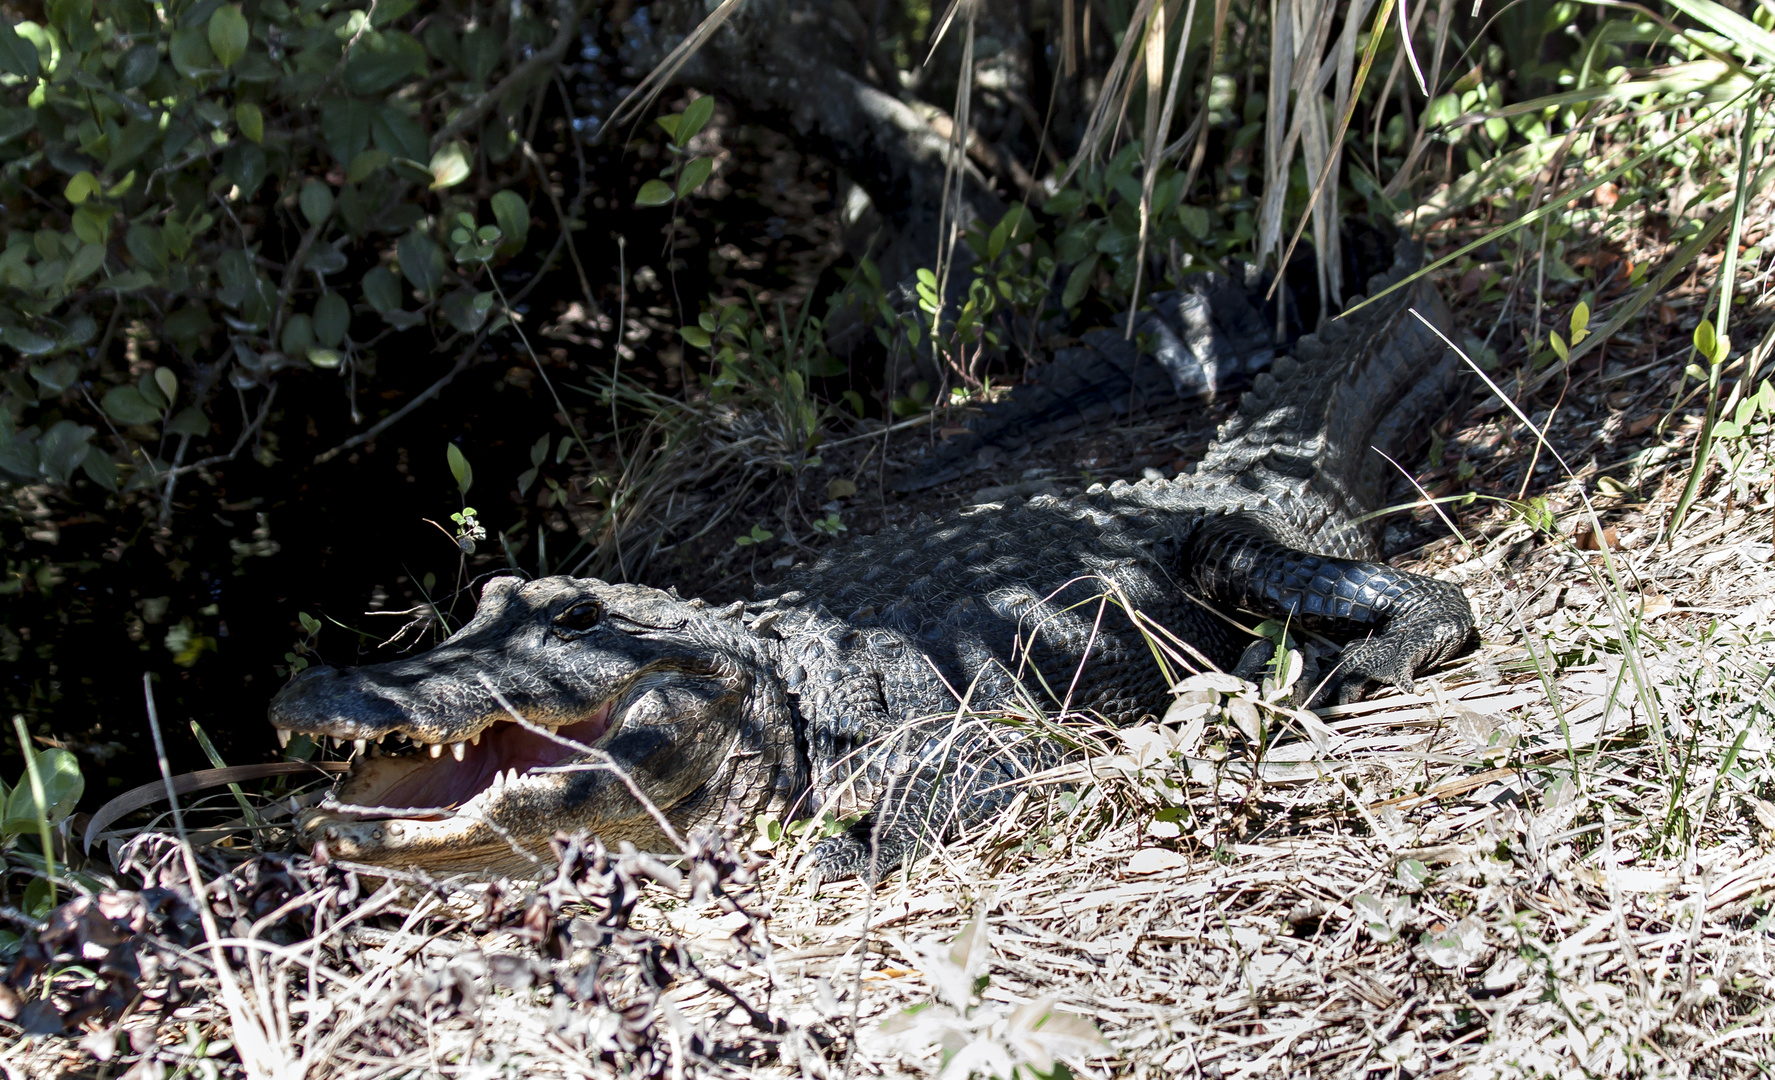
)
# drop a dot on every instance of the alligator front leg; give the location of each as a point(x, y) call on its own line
point(962, 776)
point(1412, 622)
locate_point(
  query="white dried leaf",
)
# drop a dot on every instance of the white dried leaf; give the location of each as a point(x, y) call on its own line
point(1155, 860)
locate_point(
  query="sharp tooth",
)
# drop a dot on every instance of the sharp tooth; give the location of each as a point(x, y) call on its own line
point(457, 749)
point(475, 739)
point(437, 749)
point(360, 745)
point(380, 737)
point(283, 736)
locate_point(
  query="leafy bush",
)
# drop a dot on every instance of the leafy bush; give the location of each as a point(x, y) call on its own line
point(204, 196)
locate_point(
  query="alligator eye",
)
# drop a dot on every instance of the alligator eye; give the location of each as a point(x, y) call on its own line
point(581, 616)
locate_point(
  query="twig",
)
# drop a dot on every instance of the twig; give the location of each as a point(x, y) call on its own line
point(477, 110)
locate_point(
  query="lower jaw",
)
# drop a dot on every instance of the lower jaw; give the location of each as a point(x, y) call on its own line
point(459, 843)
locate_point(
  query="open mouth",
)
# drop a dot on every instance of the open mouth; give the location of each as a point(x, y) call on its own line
point(398, 775)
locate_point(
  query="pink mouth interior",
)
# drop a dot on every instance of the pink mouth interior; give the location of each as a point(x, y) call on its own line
point(445, 782)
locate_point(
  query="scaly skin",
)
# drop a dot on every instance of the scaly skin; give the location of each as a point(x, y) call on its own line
point(836, 691)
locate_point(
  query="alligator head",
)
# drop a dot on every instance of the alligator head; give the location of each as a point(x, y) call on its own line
point(563, 704)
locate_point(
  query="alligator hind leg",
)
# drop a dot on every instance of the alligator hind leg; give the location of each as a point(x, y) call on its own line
point(1413, 622)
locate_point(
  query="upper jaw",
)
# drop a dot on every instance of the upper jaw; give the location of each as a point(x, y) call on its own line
point(366, 705)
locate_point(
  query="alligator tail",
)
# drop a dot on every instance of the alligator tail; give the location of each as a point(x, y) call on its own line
point(1328, 422)
point(1208, 338)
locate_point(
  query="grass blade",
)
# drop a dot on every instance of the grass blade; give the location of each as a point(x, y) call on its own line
point(1728, 282)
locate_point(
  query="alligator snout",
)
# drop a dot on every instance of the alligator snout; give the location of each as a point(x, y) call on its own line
point(346, 703)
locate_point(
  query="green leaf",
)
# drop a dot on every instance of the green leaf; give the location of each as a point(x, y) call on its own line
point(138, 66)
point(345, 125)
point(332, 317)
point(1065, 204)
point(377, 65)
point(126, 405)
point(1707, 341)
point(191, 54)
point(150, 390)
point(17, 56)
point(480, 51)
point(228, 34)
point(513, 215)
point(696, 335)
point(189, 421)
point(15, 122)
point(695, 172)
point(460, 468)
point(466, 309)
point(63, 448)
point(995, 242)
point(134, 141)
point(317, 201)
point(30, 344)
point(298, 335)
point(693, 120)
point(167, 383)
point(324, 358)
point(1735, 27)
point(382, 291)
point(84, 264)
point(250, 120)
point(365, 164)
point(1019, 223)
point(1079, 281)
point(422, 263)
point(654, 193)
point(63, 785)
point(92, 223)
point(670, 122)
point(101, 469)
point(83, 186)
point(1194, 220)
point(449, 166)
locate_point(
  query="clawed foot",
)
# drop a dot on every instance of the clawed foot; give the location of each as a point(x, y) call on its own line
point(1414, 642)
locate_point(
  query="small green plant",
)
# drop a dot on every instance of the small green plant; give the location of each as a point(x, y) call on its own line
point(772, 830)
point(35, 806)
point(1100, 227)
point(770, 370)
point(1011, 277)
point(685, 173)
point(297, 657)
point(468, 529)
point(758, 535)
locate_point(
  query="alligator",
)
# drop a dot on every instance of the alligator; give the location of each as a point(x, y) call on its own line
point(854, 689)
